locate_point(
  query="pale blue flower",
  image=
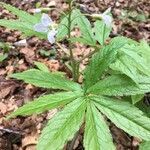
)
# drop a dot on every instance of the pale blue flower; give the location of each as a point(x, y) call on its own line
point(105, 17)
point(47, 26)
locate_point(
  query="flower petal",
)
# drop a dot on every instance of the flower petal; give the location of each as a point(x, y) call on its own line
point(39, 27)
point(107, 11)
point(107, 20)
point(46, 20)
point(51, 36)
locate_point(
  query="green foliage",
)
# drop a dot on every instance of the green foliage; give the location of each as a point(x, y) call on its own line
point(41, 66)
point(46, 102)
point(144, 107)
point(145, 146)
point(87, 36)
point(63, 126)
point(24, 27)
point(138, 58)
point(117, 71)
point(24, 24)
point(22, 15)
point(101, 61)
point(3, 57)
point(101, 31)
point(46, 80)
point(119, 85)
point(97, 135)
point(125, 116)
point(137, 98)
point(5, 47)
point(63, 26)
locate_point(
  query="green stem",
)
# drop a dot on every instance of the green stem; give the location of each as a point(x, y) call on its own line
point(74, 64)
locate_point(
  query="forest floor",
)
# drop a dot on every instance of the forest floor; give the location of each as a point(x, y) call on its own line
point(21, 133)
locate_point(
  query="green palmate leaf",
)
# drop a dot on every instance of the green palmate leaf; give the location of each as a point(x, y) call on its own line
point(97, 135)
point(63, 126)
point(119, 85)
point(145, 145)
point(46, 102)
point(100, 62)
point(144, 50)
point(24, 27)
point(137, 98)
point(138, 61)
point(46, 80)
point(120, 41)
point(125, 116)
point(41, 66)
point(86, 29)
point(23, 16)
point(101, 31)
point(124, 65)
point(63, 26)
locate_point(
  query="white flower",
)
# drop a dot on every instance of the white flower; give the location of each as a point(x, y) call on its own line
point(47, 26)
point(105, 17)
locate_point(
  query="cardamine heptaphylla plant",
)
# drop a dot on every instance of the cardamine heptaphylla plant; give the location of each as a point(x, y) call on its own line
point(114, 81)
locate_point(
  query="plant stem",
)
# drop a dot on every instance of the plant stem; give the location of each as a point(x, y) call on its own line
point(74, 64)
point(63, 49)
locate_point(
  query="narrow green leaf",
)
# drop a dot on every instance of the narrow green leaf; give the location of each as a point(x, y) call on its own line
point(120, 41)
point(119, 85)
point(125, 66)
point(3, 57)
point(63, 126)
point(97, 135)
point(63, 25)
point(46, 80)
point(98, 64)
point(145, 145)
point(137, 98)
point(23, 15)
point(24, 27)
point(41, 66)
point(144, 50)
point(138, 61)
point(125, 116)
point(101, 31)
point(45, 102)
point(85, 27)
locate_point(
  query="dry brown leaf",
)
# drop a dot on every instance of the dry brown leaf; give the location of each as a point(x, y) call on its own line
point(29, 142)
point(3, 108)
point(6, 87)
